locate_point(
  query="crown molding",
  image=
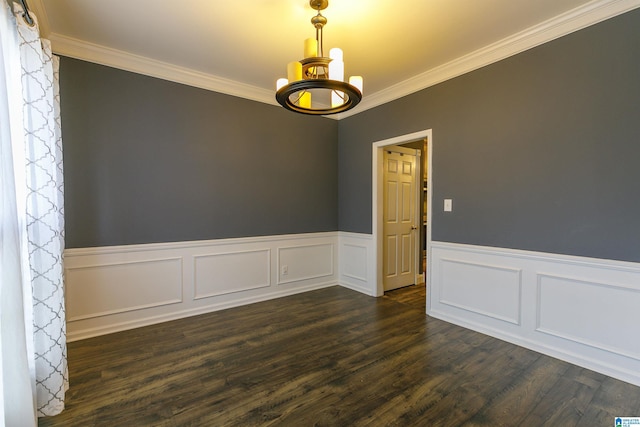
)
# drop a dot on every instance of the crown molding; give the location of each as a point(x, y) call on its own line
point(74, 48)
point(561, 25)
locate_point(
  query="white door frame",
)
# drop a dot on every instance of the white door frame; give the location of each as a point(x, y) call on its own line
point(376, 202)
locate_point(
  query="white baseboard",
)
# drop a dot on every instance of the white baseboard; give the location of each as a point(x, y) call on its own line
point(577, 309)
point(110, 289)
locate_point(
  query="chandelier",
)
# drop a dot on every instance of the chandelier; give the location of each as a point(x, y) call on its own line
point(315, 85)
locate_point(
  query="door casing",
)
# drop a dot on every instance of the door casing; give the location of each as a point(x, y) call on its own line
point(376, 203)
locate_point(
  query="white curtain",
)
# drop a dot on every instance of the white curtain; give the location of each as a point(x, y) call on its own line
point(32, 329)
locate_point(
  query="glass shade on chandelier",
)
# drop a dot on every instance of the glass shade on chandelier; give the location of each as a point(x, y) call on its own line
point(315, 84)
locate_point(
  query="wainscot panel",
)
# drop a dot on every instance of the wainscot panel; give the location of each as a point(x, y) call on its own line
point(601, 309)
point(305, 262)
point(96, 290)
point(224, 273)
point(488, 290)
point(356, 255)
point(115, 288)
point(581, 310)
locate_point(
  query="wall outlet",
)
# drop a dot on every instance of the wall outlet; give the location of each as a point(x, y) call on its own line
point(284, 270)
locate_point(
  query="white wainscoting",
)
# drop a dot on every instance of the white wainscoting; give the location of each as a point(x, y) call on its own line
point(109, 289)
point(581, 310)
point(357, 262)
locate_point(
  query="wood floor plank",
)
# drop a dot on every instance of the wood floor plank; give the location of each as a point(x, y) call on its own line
point(564, 404)
point(523, 393)
point(612, 399)
point(331, 357)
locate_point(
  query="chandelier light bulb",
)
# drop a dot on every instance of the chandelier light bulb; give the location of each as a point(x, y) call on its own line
point(294, 71)
point(356, 81)
point(336, 53)
point(336, 72)
point(305, 100)
point(281, 83)
point(310, 48)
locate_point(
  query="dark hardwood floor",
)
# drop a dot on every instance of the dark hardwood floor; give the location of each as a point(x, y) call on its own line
point(331, 357)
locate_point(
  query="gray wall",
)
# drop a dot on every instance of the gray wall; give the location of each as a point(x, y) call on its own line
point(147, 160)
point(540, 151)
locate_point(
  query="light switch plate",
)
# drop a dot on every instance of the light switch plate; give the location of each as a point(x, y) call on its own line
point(448, 205)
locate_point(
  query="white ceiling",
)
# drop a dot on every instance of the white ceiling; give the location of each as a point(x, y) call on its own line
point(242, 47)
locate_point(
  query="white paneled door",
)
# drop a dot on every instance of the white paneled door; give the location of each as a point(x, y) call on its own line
point(399, 218)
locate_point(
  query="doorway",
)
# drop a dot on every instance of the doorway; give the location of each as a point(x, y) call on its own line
point(378, 209)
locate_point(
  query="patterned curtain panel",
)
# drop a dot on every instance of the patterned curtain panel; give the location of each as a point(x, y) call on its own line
point(16, 405)
point(44, 217)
